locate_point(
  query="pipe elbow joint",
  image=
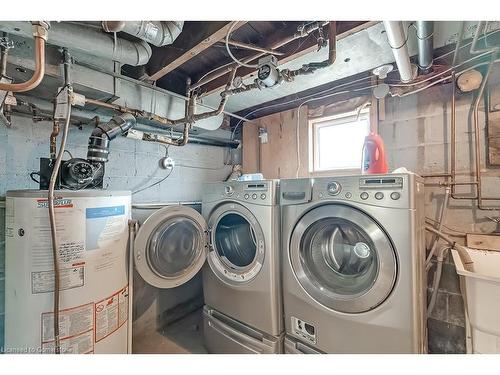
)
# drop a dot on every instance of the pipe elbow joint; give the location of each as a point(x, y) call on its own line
point(98, 148)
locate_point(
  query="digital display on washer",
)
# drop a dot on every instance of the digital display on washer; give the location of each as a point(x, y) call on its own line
point(384, 182)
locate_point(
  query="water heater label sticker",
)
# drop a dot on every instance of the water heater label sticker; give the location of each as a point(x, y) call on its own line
point(123, 306)
point(43, 281)
point(70, 225)
point(109, 314)
point(104, 225)
point(79, 344)
point(76, 329)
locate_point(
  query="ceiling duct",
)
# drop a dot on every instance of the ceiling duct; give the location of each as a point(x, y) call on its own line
point(425, 32)
point(397, 41)
point(87, 40)
point(158, 33)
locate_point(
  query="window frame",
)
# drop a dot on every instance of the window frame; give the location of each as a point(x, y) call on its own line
point(342, 118)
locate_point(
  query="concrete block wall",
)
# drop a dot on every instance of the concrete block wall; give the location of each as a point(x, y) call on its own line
point(416, 133)
point(132, 165)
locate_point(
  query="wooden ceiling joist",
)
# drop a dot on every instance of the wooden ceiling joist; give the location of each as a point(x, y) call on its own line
point(344, 29)
point(193, 44)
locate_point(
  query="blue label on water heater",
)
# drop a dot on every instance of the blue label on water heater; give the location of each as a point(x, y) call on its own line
point(99, 221)
point(99, 212)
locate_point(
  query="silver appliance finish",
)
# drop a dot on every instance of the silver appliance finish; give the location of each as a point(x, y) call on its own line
point(293, 346)
point(242, 277)
point(353, 263)
point(224, 335)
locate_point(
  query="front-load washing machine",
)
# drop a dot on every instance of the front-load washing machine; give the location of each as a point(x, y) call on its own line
point(241, 280)
point(239, 234)
point(154, 305)
point(353, 268)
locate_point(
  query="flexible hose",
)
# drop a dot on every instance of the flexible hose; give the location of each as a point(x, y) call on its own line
point(462, 250)
point(53, 229)
point(440, 224)
point(437, 278)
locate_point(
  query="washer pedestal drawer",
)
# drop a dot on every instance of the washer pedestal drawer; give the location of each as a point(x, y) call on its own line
point(225, 335)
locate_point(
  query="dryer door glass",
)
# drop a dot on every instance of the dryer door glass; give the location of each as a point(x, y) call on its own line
point(170, 247)
point(235, 240)
point(237, 243)
point(343, 259)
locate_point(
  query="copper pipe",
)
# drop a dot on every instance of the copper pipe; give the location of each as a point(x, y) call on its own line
point(255, 48)
point(332, 54)
point(38, 74)
point(224, 70)
point(453, 131)
point(477, 183)
point(477, 140)
point(332, 42)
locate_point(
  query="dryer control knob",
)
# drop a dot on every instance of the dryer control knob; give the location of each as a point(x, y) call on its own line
point(228, 190)
point(333, 188)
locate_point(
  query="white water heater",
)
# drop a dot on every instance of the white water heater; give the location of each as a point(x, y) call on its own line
point(92, 228)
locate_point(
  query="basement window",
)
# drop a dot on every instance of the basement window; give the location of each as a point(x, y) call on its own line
point(337, 142)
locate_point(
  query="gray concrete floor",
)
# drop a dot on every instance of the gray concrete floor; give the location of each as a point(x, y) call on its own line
point(182, 337)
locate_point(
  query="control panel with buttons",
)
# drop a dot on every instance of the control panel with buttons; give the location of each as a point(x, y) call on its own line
point(380, 190)
point(262, 192)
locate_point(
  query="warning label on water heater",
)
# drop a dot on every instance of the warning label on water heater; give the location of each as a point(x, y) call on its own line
point(110, 314)
point(76, 326)
point(43, 281)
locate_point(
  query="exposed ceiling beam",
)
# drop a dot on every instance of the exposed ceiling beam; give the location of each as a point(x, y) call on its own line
point(344, 29)
point(193, 44)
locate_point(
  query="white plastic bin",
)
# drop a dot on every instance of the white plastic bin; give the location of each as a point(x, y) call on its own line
point(482, 294)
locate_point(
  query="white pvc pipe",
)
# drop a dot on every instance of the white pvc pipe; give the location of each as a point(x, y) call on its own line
point(397, 41)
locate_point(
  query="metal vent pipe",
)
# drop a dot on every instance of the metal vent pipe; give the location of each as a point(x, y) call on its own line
point(425, 31)
point(98, 148)
point(87, 40)
point(158, 33)
point(397, 41)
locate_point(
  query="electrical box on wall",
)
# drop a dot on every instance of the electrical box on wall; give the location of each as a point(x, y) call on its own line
point(263, 135)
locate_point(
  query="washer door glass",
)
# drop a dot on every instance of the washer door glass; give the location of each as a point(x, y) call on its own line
point(170, 246)
point(343, 259)
point(174, 246)
point(237, 250)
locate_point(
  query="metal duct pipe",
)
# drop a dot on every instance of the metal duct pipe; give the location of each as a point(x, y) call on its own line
point(158, 33)
point(397, 41)
point(425, 32)
point(87, 40)
point(42, 106)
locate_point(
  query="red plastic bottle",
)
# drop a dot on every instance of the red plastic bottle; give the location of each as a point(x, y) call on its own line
point(373, 160)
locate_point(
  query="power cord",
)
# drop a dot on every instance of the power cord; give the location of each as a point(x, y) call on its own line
point(156, 183)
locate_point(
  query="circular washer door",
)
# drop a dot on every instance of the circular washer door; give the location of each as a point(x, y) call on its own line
point(343, 259)
point(237, 244)
point(169, 248)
